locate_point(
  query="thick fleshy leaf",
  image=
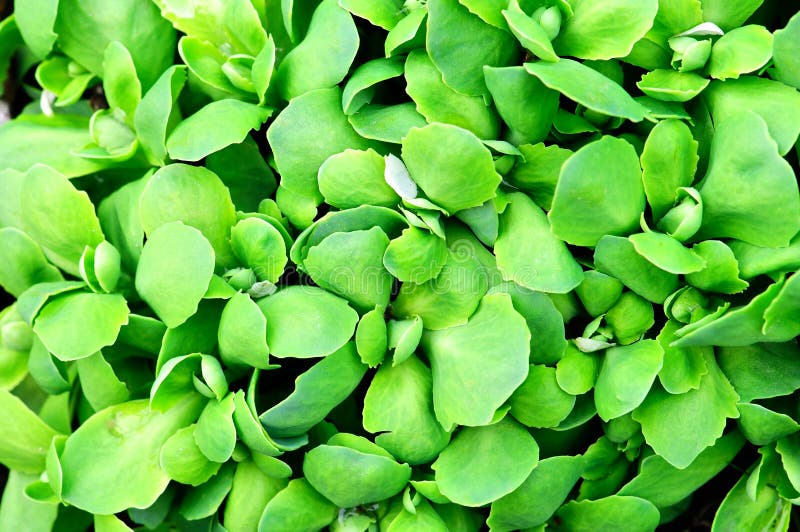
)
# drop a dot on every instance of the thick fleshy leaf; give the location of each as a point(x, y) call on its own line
point(404, 337)
point(245, 172)
point(587, 204)
point(398, 405)
point(529, 254)
point(539, 401)
point(323, 57)
point(538, 498)
point(512, 90)
point(721, 273)
point(194, 196)
point(438, 102)
point(679, 427)
point(297, 507)
point(383, 13)
point(153, 113)
point(776, 103)
point(667, 253)
point(182, 460)
point(470, 476)
point(371, 337)
point(251, 491)
point(665, 485)
point(741, 510)
point(242, 333)
point(588, 87)
point(174, 271)
point(58, 217)
point(213, 127)
point(386, 123)
point(215, 433)
point(596, 31)
point(672, 86)
point(683, 367)
point(785, 52)
point(615, 512)
point(83, 28)
point(740, 51)
point(123, 439)
point(307, 322)
point(354, 178)
point(626, 375)
point(35, 19)
point(762, 426)
point(261, 247)
point(529, 33)
point(415, 256)
point(662, 175)
point(576, 371)
point(729, 14)
point(361, 86)
point(26, 438)
point(744, 155)
point(317, 391)
point(351, 264)
point(379, 476)
point(477, 366)
point(26, 264)
point(761, 371)
point(79, 324)
point(451, 166)
point(461, 44)
point(538, 173)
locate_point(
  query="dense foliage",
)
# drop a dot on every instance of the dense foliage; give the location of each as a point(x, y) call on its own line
point(287, 265)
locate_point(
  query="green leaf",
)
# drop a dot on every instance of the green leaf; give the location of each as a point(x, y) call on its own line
point(386, 123)
point(416, 256)
point(79, 324)
point(587, 87)
point(22, 141)
point(307, 322)
point(371, 337)
point(529, 254)
point(596, 31)
point(361, 86)
point(298, 155)
point(242, 334)
point(261, 247)
point(614, 512)
point(194, 196)
point(451, 166)
point(353, 178)
point(84, 28)
point(245, 172)
point(26, 264)
point(625, 378)
point(671, 86)
point(340, 261)
point(539, 401)
point(35, 19)
point(729, 14)
point(111, 462)
point(317, 391)
point(761, 371)
point(529, 33)
point(251, 491)
point(461, 44)
point(297, 507)
point(215, 433)
point(398, 405)
point(470, 476)
point(404, 337)
point(120, 84)
point(437, 102)
point(205, 500)
point(99, 383)
point(409, 33)
point(785, 48)
point(743, 155)
point(511, 88)
point(768, 511)
point(323, 57)
point(662, 174)
point(762, 426)
point(721, 273)
point(379, 476)
point(740, 51)
point(776, 103)
point(478, 365)
point(616, 256)
point(576, 371)
point(182, 460)
point(588, 205)
point(174, 271)
point(383, 13)
point(537, 174)
point(538, 498)
point(667, 253)
point(683, 367)
point(213, 127)
point(679, 427)
point(26, 438)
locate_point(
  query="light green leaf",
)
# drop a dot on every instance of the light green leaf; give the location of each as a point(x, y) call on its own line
point(35, 19)
point(679, 427)
point(477, 366)
point(596, 31)
point(386, 123)
point(615, 512)
point(450, 165)
point(111, 462)
point(785, 52)
point(383, 13)
point(762, 426)
point(215, 433)
point(251, 491)
point(761, 371)
point(26, 265)
point(307, 322)
point(352, 178)
point(539, 401)
point(371, 337)
point(174, 271)
point(416, 256)
point(213, 127)
point(740, 51)
point(537, 174)
point(729, 14)
point(588, 87)
point(470, 476)
point(242, 334)
point(672, 86)
point(461, 44)
point(182, 460)
point(194, 196)
point(26, 438)
point(398, 405)
point(667, 253)
point(768, 511)
point(626, 375)
point(317, 391)
point(297, 507)
point(529, 33)
point(99, 383)
point(721, 273)
point(662, 175)
point(587, 204)
point(261, 247)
